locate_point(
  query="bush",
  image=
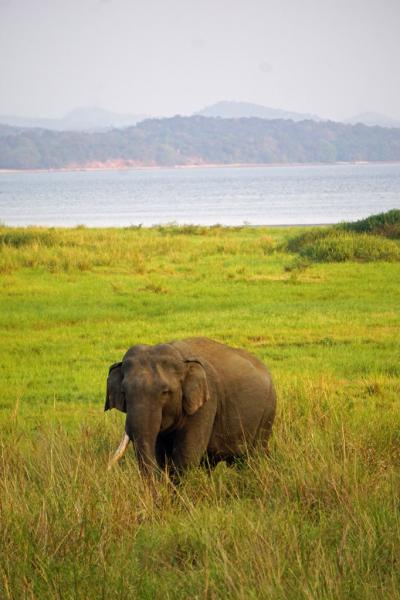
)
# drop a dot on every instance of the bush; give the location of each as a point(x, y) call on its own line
point(362, 240)
point(386, 224)
point(341, 246)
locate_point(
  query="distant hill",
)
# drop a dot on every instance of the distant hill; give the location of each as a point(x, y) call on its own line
point(87, 118)
point(373, 119)
point(198, 140)
point(92, 118)
point(238, 110)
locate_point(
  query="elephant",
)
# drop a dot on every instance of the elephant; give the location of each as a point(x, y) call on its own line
point(189, 402)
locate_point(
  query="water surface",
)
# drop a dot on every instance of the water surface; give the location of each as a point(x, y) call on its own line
point(226, 195)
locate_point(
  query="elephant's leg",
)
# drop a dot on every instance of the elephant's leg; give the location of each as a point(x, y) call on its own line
point(120, 451)
point(187, 452)
point(190, 443)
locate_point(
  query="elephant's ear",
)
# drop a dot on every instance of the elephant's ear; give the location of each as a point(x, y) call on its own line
point(194, 388)
point(114, 396)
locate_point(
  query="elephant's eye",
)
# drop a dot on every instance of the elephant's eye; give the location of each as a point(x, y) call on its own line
point(166, 391)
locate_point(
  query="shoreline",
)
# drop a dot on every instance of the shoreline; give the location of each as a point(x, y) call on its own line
point(122, 168)
point(175, 225)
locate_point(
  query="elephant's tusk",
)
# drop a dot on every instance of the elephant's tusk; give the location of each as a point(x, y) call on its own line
point(120, 451)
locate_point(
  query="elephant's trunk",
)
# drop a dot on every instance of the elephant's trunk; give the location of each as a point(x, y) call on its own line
point(146, 456)
point(143, 430)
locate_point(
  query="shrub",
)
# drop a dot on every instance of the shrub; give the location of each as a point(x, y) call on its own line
point(362, 240)
point(386, 224)
point(343, 246)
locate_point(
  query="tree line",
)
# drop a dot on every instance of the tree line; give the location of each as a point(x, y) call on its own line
point(199, 140)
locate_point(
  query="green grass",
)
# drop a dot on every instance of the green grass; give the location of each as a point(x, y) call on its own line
point(319, 519)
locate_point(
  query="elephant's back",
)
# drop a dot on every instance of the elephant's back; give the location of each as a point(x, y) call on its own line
point(217, 353)
point(239, 373)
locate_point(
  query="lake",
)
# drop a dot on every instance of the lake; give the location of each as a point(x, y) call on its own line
point(279, 195)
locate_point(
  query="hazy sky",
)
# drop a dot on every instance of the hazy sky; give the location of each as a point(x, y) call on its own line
point(163, 57)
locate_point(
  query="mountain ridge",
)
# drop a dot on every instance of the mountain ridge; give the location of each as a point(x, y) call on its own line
point(234, 110)
point(84, 118)
point(94, 118)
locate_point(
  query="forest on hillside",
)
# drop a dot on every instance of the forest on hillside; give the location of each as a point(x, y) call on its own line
point(199, 140)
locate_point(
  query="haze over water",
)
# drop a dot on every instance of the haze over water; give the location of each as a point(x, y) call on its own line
point(229, 196)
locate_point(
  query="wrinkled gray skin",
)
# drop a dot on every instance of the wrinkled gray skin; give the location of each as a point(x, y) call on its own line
point(191, 400)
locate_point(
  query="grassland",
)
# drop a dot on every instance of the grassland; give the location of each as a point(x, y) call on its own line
point(319, 519)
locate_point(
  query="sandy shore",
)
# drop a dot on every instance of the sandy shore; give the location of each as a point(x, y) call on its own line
point(144, 167)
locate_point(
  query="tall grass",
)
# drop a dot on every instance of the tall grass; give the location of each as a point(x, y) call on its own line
point(135, 248)
point(319, 518)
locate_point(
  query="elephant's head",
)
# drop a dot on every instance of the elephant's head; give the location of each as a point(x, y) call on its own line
point(158, 389)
